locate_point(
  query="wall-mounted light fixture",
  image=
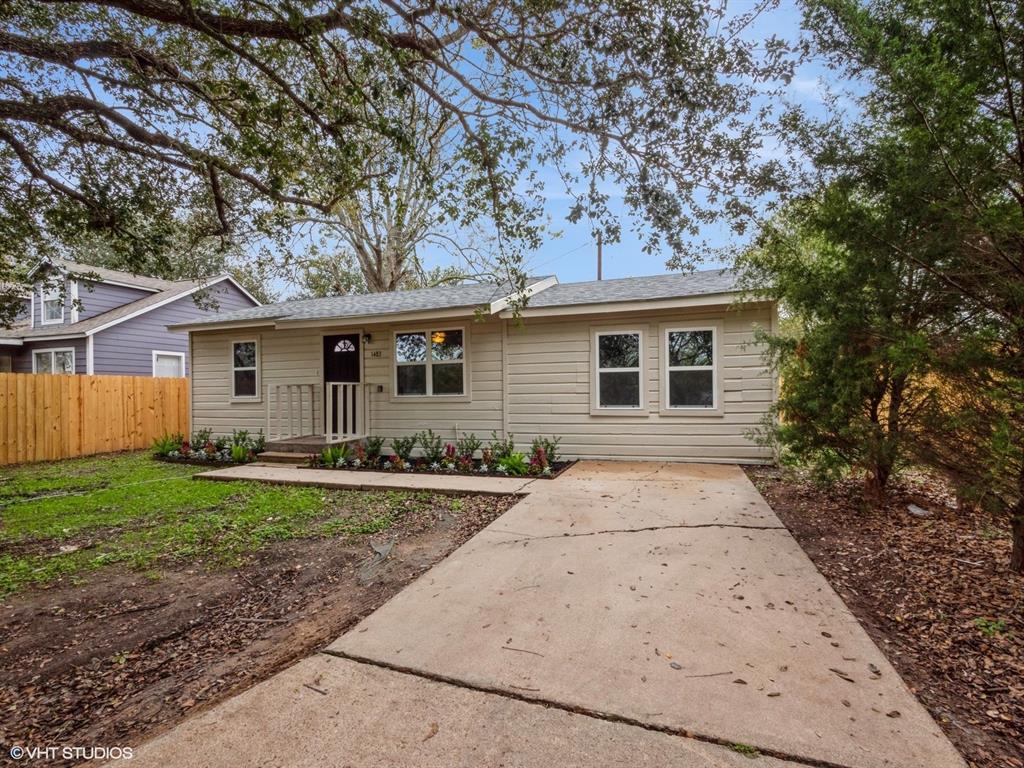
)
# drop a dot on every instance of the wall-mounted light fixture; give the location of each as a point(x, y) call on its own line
point(367, 338)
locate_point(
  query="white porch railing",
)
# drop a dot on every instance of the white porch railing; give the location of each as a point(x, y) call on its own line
point(346, 411)
point(291, 410)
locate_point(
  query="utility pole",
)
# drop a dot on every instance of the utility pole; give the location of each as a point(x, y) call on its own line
point(598, 254)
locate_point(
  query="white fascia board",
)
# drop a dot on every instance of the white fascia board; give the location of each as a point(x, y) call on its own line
point(526, 293)
point(215, 325)
point(391, 317)
point(89, 364)
point(614, 307)
point(240, 287)
point(11, 342)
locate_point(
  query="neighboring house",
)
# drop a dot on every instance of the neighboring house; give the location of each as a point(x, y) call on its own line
point(85, 319)
point(663, 367)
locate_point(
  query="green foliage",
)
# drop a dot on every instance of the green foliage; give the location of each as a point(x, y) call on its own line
point(468, 445)
point(549, 444)
point(240, 452)
point(514, 464)
point(403, 446)
point(990, 627)
point(166, 443)
point(501, 448)
point(374, 447)
point(335, 455)
point(200, 438)
point(431, 445)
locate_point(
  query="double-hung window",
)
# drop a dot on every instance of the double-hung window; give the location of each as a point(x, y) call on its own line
point(690, 381)
point(244, 369)
point(52, 306)
point(619, 372)
point(430, 363)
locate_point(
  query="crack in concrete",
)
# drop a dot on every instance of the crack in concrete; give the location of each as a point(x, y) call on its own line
point(647, 529)
point(575, 709)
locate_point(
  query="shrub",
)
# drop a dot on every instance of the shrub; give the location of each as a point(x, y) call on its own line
point(374, 447)
point(467, 445)
point(550, 446)
point(201, 436)
point(240, 437)
point(403, 447)
point(259, 443)
point(239, 453)
point(335, 455)
point(432, 446)
point(514, 464)
point(500, 449)
point(167, 443)
point(539, 459)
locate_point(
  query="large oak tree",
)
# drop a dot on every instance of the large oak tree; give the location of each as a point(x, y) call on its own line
point(116, 115)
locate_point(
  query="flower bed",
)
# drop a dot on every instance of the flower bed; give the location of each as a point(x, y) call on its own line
point(497, 459)
point(204, 450)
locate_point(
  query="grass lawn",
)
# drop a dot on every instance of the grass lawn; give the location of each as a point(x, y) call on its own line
point(65, 519)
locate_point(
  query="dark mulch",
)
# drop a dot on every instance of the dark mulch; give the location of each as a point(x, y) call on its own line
point(557, 468)
point(935, 593)
point(123, 656)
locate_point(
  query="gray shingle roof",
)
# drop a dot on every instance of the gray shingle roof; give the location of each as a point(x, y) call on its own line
point(114, 275)
point(650, 288)
point(467, 296)
point(364, 304)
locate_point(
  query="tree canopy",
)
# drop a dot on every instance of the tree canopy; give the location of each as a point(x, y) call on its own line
point(115, 115)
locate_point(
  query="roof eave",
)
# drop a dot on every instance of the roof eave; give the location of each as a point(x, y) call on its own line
point(637, 305)
point(11, 341)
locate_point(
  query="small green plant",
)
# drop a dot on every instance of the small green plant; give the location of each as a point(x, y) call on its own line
point(514, 464)
point(374, 447)
point(259, 443)
point(403, 447)
point(746, 750)
point(335, 455)
point(201, 437)
point(432, 446)
point(550, 446)
point(164, 445)
point(467, 445)
point(990, 627)
point(240, 453)
point(500, 448)
point(240, 437)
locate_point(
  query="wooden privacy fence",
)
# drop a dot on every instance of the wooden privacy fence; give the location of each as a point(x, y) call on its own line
point(44, 416)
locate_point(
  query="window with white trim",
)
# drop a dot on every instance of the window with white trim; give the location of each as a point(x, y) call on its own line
point(430, 363)
point(690, 368)
point(53, 306)
point(244, 369)
point(619, 369)
point(168, 364)
point(53, 361)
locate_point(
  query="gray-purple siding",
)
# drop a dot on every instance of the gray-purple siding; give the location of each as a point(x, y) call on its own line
point(97, 298)
point(22, 356)
point(127, 348)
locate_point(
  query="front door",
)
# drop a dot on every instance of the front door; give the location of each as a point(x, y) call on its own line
point(341, 365)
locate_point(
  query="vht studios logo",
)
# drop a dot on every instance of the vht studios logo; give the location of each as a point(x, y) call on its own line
point(70, 753)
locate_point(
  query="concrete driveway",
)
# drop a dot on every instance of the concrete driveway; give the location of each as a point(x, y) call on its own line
point(633, 614)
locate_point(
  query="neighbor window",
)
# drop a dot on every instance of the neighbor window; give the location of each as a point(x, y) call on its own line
point(619, 375)
point(168, 364)
point(430, 362)
point(53, 361)
point(53, 306)
point(690, 368)
point(244, 378)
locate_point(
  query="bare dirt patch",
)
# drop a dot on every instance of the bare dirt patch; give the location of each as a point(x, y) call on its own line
point(934, 593)
point(128, 654)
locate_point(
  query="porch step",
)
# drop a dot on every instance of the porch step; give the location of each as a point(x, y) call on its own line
point(284, 457)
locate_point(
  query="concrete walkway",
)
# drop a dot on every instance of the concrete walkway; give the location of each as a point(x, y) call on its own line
point(622, 614)
point(284, 474)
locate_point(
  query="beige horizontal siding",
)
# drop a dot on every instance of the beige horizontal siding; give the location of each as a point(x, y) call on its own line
point(549, 389)
point(546, 391)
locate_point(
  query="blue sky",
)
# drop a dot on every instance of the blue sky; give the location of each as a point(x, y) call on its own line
point(572, 256)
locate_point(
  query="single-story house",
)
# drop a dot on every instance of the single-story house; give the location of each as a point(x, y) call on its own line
point(84, 319)
point(664, 367)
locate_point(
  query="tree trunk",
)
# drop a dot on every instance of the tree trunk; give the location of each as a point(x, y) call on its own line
point(1017, 525)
